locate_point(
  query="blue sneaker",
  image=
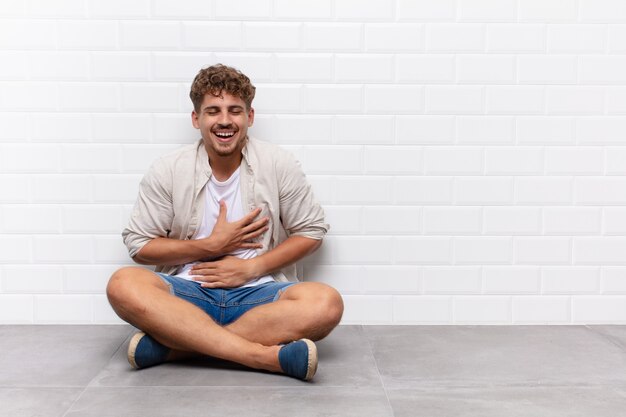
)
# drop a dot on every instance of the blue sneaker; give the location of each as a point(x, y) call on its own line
point(144, 351)
point(299, 359)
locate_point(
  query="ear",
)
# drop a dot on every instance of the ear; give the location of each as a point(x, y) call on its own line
point(194, 120)
point(251, 117)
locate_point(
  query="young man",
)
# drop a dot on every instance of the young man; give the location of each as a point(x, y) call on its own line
point(224, 220)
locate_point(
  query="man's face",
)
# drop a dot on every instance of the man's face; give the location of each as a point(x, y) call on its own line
point(223, 122)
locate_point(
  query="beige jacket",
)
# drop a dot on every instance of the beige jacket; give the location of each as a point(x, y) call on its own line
point(171, 199)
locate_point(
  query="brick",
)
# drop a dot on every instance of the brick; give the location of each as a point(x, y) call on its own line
point(122, 128)
point(386, 279)
point(599, 250)
point(423, 250)
point(59, 8)
point(362, 250)
point(150, 35)
point(12, 9)
point(89, 97)
point(545, 130)
point(478, 250)
point(272, 36)
point(78, 218)
point(345, 279)
point(62, 127)
point(305, 67)
point(600, 309)
point(444, 10)
point(333, 99)
point(616, 100)
point(614, 220)
point(211, 35)
point(87, 279)
point(601, 69)
point(302, 129)
point(194, 9)
point(32, 279)
point(570, 280)
point(16, 309)
point(110, 249)
point(357, 10)
point(29, 158)
point(599, 130)
point(576, 39)
point(446, 280)
point(15, 65)
point(511, 221)
point(454, 100)
point(616, 38)
point(514, 100)
point(571, 220)
point(28, 34)
point(119, 9)
point(16, 249)
point(451, 220)
point(488, 10)
point(343, 220)
point(304, 9)
point(422, 309)
point(432, 190)
point(541, 310)
point(453, 161)
point(125, 66)
point(393, 160)
point(63, 309)
point(511, 280)
point(600, 190)
point(18, 96)
point(485, 129)
point(61, 249)
point(149, 98)
point(548, 11)
point(394, 99)
point(21, 218)
point(384, 37)
point(15, 188)
point(258, 66)
point(171, 128)
point(613, 281)
point(91, 36)
point(364, 190)
point(90, 158)
point(482, 309)
point(334, 159)
point(363, 68)
point(457, 37)
point(520, 38)
point(391, 220)
point(547, 69)
point(518, 161)
point(425, 129)
point(543, 191)
point(574, 100)
point(14, 127)
point(364, 130)
point(61, 188)
point(333, 36)
point(245, 9)
point(479, 191)
point(573, 161)
point(543, 250)
point(103, 313)
point(375, 309)
point(116, 188)
point(429, 69)
point(486, 69)
point(602, 11)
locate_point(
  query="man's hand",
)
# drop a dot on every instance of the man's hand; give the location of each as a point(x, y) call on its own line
point(227, 237)
point(228, 272)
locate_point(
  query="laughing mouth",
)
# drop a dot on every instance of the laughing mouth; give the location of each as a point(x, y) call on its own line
point(224, 135)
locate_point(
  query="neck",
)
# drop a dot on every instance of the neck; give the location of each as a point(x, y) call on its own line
point(223, 166)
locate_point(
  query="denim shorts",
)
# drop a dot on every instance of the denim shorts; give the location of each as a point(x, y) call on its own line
point(224, 305)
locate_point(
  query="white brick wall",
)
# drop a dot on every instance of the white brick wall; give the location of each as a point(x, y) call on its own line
point(470, 154)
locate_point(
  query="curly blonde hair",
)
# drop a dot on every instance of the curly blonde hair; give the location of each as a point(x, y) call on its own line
point(219, 78)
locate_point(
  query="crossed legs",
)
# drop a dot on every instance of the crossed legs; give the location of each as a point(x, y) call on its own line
point(305, 310)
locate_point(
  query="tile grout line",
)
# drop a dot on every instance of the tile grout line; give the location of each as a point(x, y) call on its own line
point(382, 382)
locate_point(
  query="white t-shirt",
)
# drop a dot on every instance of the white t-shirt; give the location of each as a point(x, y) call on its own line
point(230, 193)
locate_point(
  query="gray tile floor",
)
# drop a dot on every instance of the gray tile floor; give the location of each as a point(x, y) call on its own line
point(72, 371)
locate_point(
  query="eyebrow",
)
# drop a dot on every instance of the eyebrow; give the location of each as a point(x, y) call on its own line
point(233, 107)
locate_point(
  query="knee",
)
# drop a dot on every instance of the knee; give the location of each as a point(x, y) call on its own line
point(330, 306)
point(121, 289)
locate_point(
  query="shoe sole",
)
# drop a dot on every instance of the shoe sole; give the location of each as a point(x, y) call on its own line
point(132, 347)
point(312, 366)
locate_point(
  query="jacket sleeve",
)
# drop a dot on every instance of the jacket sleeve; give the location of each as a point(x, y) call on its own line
point(300, 213)
point(153, 211)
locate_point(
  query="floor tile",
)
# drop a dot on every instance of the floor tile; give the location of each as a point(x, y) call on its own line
point(59, 356)
point(237, 401)
point(418, 356)
point(598, 401)
point(345, 360)
point(40, 402)
point(616, 334)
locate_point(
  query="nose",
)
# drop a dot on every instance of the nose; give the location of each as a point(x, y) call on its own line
point(224, 119)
